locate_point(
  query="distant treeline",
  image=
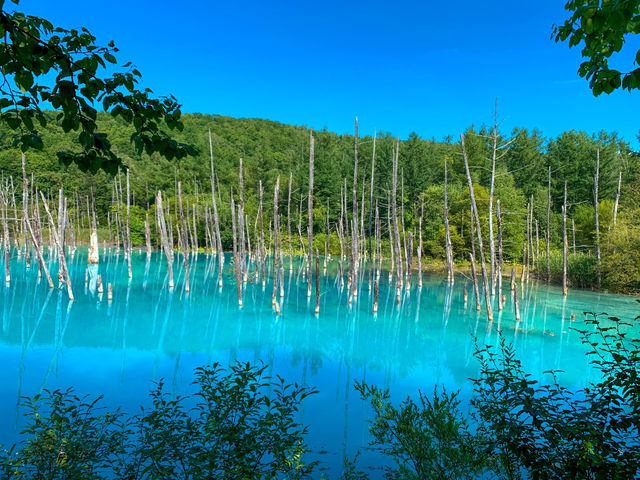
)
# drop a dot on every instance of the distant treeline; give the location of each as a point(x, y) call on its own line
point(269, 149)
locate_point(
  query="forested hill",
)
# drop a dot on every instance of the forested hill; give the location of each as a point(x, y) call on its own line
point(269, 149)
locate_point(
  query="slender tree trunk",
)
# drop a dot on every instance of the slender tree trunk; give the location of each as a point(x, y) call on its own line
point(38, 247)
point(548, 233)
point(500, 258)
point(310, 214)
point(420, 245)
point(147, 235)
point(373, 164)
point(516, 303)
point(474, 277)
point(597, 219)
point(129, 228)
point(485, 282)
point(615, 205)
point(448, 246)
point(25, 210)
point(236, 257)
point(289, 223)
point(185, 240)
point(354, 228)
point(317, 310)
point(164, 237)
point(4, 213)
point(565, 243)
point(492, 248)
point(242, 249)
point(396, 231)
point(573, 235)
point(63, 273)
point(216, 222)
point(276, 238)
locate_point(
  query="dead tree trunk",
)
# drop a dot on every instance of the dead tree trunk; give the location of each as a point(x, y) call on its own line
point(310, 214)
point(261, 241)
point(236, 257)
point(565, 242)
point(474, 277)
point(4, 213)
point(615, 205)
point(492, 247)
point(373, 164)
point(276, 240)
point(25, 212)
point(185, 241)
point(164, 238)
point(448, 246)
point(216, 222)
point(38, 247)
point(500, 258)
point(548, 233)
point(317, 310)
point(597, 218)
point(289, 223)
point(420, 245)
point(485, 282)
point(63, 273)
point(396, 231)
point(147, 235)
point(242, 249)
point(354, 229)
point(129, 228)
point(94, 246)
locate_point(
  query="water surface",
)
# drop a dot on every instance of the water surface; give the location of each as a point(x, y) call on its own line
point(119, 348)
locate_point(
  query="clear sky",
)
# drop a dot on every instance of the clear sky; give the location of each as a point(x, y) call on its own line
point(430, 67)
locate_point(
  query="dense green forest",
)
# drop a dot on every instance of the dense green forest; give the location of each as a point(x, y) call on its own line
point(269, 149)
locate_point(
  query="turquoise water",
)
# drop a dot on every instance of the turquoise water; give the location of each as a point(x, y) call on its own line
point(147, 333)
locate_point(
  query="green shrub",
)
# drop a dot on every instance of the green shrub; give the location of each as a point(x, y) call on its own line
point(581, 269)
point(239, 424)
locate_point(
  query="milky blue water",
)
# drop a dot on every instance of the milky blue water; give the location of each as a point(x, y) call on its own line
point(147, 332)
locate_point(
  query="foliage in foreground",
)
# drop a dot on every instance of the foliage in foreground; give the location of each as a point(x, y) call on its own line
point(518, 427)
point(241, 424)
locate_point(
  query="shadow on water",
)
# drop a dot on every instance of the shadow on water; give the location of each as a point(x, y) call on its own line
point(118, 348)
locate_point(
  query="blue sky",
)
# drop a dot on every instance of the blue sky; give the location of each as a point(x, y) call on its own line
point(430, 67)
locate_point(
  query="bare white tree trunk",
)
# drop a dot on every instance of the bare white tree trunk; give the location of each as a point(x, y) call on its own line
point(615, 205)
point(63, 273)
point(565, 242)
point(448, 246)
point(164, 237)
point(596, 183)
point(310, 214)
point(474, 208)
point(185, 241)
point(216, 222)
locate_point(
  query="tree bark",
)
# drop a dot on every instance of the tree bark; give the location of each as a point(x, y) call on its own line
point(548, 233)
point(448, 246)
point(216, 222)
point(63, 273)
point(185, 240)
point(474, 208)
point(310, 214)
point(164, 237)
point(597, 220)
point(615, 205)
point(565, 242)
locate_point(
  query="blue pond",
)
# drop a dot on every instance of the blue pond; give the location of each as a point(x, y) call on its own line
point(147, 333)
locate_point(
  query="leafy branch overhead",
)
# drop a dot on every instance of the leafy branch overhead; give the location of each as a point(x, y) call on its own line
point(601, 27)
point(43, 65)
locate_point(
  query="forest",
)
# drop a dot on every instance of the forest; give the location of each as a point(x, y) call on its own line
point(530, 170)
